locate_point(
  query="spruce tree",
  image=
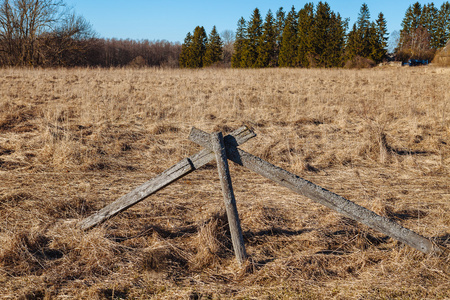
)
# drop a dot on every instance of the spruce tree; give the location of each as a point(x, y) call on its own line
point(336, 37)
point(254, 32)
point(185, 54)
point(352, 47)
point(198, 48)
point(268, 44)
point(239, 44)
point(289, 44)
point(213, 53)
point(429, 20)
point(305, 35)
point(320, 34)
point(365, 34)
point(367, 39)
point(443, 25)
point(328, 37)
point(381, 38)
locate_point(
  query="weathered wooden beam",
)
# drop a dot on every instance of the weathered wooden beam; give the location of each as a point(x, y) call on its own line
point(320, 195)
point(237, 239)
point(170, 175)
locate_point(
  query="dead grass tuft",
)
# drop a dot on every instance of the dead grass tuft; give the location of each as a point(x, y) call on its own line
point(212, 243)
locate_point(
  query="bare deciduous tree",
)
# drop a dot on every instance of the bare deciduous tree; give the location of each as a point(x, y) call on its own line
point(25, 25)
point(416, 45)
point(228, 38)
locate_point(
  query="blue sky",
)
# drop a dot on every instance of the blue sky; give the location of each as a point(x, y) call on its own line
point(172, 19)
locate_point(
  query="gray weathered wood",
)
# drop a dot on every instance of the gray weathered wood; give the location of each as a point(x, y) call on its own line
point(321, 195)
point(237, 239)
point(170, 175)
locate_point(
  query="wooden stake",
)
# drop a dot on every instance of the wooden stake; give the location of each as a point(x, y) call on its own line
point(218, 146)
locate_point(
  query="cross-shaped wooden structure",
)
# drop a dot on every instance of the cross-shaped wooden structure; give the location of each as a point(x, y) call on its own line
point(226, 148)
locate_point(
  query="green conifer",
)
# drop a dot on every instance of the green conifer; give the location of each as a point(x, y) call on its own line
point(336, 37)
point(352, 47)
point(254, 32)
point(320, 34)
point(379, 49)
point(239, 44)
point(305, 35)
point(429, 20)
point(289, 44)
point(185, 51)
point(268, 44)
point(443, 25)
point(213, 53)
point(328, 37)
point(365, 32)
point(367, 39)
point(198, 48)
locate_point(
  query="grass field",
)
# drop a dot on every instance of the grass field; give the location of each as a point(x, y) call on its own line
point(72, 141)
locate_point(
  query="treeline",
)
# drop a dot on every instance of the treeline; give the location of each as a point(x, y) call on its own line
point(45, 33)
point(121, 53)
point(424, 29)
point(311, 37)
point(315, 36)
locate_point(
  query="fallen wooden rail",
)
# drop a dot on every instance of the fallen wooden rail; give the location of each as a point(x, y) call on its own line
point(170, 175)
point(320, 195)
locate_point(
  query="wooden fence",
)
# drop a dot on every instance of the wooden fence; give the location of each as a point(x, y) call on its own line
point(226, 148)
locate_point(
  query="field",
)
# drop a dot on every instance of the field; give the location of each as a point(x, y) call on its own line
point(72, 141)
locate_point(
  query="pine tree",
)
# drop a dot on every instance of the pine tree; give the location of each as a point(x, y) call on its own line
point(443, 25)
point(379, 49)
point(364, 32)
point(320, 34)
point(268, 44)
point(305, 35)
point(239, 44)
point(328, 38)
point(352, 47)
point(254, 32)
point(429, 20)
point(198, 48)
point(213, 51)
point(336, 37)
point(185, 54)
point(289, 44)
point(367, 39)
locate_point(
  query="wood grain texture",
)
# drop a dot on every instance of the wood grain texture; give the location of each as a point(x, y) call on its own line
point(237, 239)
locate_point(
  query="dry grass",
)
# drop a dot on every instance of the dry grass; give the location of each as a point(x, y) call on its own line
point(72, 141)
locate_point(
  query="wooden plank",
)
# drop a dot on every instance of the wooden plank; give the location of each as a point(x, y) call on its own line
point(237, 239)
point(170, 175)
point(321, 195)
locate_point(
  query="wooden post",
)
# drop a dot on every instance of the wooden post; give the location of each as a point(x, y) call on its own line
point(170, 175)
point(218, 146)
point(321, 195)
